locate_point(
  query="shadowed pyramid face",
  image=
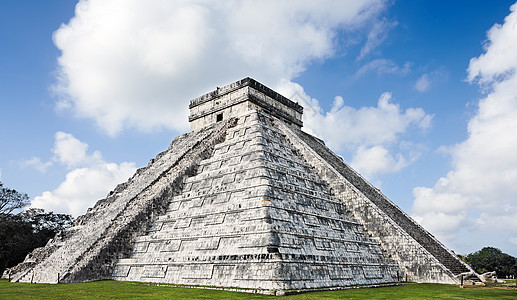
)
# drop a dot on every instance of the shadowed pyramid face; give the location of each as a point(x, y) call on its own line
point(248, 200)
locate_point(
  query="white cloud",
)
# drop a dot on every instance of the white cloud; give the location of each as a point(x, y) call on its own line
point(423, 83)
point(70, 151)
point(37, 163)
point(384, 66)
point(377, 160)
point(131, 63)
point(500, 58)
point(376, 36)
point(83, 187)
point(89, 180)
point(479, 192)
point(369, 133)
point(427, 80)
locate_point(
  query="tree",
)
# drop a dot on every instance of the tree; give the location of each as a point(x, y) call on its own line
point(492, 259)
point(11, 200)
point(23, 232)
point(463, 258)
point(16, 240)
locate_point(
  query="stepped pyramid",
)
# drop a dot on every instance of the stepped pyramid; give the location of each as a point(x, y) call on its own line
point(248, 200)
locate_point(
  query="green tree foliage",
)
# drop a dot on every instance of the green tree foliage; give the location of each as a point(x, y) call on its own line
point(11, 200)
point(492, 259)
point(21, 233)
point(463, 258)
point(46, 224)
point(16, 240)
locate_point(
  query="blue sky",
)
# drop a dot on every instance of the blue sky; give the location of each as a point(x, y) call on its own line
point(419, 96)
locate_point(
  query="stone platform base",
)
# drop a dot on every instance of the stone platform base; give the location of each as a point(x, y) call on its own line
point(275, 292)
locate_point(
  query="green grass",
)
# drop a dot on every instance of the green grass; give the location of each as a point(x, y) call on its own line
point(127, 290)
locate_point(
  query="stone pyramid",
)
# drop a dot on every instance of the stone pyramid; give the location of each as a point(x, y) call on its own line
point(248, 200)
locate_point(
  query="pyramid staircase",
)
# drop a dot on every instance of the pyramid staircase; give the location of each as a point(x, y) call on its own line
point(417, 232)
point(256, 216)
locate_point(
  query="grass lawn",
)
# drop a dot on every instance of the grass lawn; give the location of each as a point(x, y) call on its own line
point(127, 290)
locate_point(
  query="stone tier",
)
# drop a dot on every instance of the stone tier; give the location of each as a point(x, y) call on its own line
point(256, 216)
point(401, 237)
point(87, 250)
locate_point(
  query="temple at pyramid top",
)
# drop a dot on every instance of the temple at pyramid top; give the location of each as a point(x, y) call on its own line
point(232, 100)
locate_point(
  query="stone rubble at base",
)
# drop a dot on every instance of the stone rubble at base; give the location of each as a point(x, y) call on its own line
point(245, 200)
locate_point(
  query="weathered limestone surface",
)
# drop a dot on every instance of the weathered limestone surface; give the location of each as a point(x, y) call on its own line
point(418, 253)
point(246, 200)
point(257, 216)
point(87, 250)
point(227, 102)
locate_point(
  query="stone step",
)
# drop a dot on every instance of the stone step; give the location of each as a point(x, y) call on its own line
point(423, 237)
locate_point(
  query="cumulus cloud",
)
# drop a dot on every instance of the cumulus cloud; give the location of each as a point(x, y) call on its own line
point(373, 135)
point(83, 187)
point(131, 63)
point(479, 192)
point(376, 160)
point(72, 152)
point(90, 177)
point(500, 58)
point(67, 151)
point(382, 159)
